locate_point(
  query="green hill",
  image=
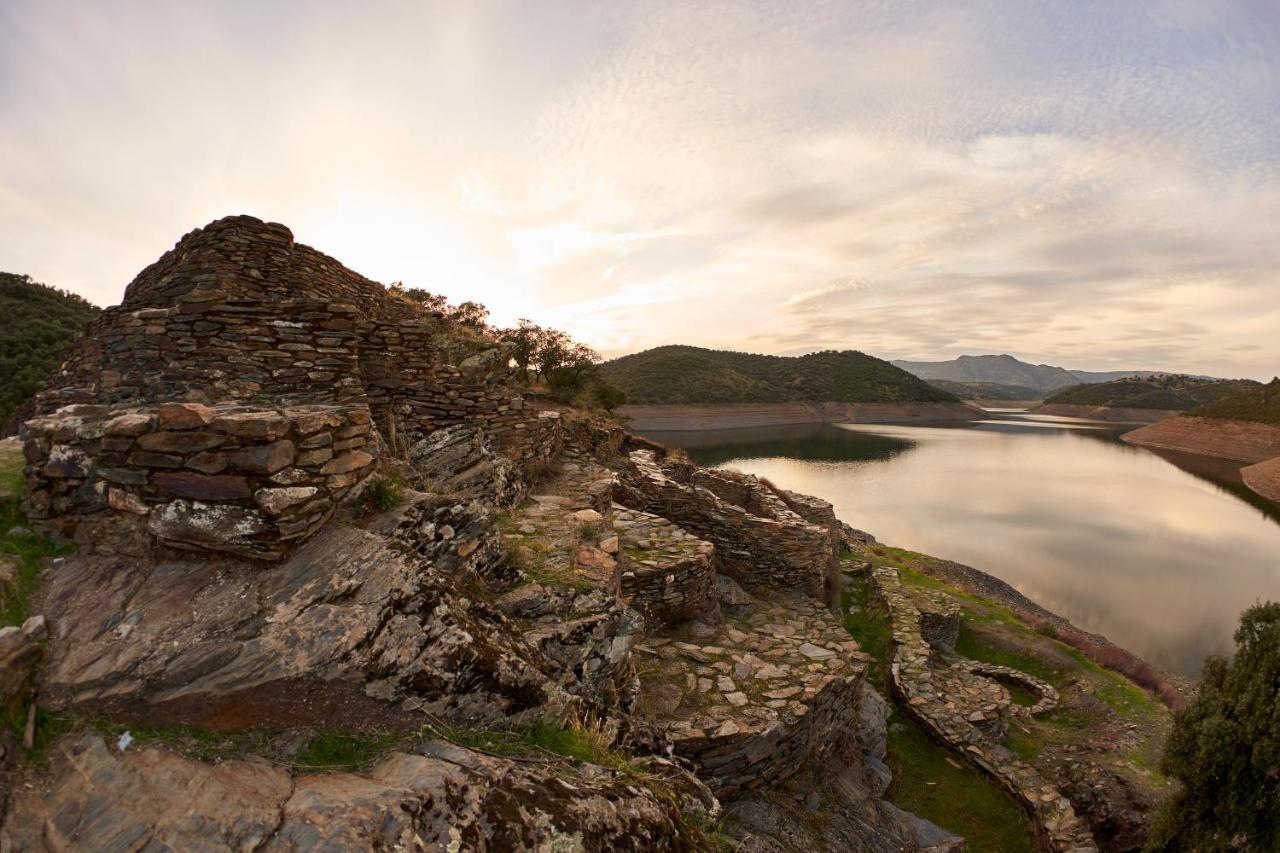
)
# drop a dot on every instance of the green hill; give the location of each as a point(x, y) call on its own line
point(689, 375)
point(1168, 391)
point(1260, 404)
point(39, 322)
point(987, 390)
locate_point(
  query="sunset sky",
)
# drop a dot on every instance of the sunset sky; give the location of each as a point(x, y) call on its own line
point(1092, 184)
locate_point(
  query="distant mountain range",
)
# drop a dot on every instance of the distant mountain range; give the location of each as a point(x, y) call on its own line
point(1007, 370)
point(693, 375)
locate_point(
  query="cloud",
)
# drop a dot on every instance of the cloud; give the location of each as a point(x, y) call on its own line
point(1093, 182)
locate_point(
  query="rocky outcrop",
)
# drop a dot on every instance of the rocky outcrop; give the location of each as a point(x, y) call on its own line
point(207, 446)
point(441, 797)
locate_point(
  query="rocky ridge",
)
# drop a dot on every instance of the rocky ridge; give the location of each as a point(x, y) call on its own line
point(210, 445)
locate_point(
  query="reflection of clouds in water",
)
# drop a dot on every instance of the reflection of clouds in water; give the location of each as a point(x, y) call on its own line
point(1113, 537)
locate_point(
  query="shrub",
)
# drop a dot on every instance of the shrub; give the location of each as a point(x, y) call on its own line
point(602, 394)
point(384, 493)
point(1225, 749)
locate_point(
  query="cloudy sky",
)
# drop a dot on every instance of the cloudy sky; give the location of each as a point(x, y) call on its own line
point(1095, 184)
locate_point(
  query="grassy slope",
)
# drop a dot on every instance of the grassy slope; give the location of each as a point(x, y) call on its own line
point(1098, 707)
point(39, 323)
point(23, 551)
point(1259, 405)
point(1178, 393)
point(927, 779)
point(692, 375)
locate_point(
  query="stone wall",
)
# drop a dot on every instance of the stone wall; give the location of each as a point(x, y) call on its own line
point(245, 481)
point(301, 349)
point(779, 550)
point(734, 764)
point(240, 318)
point(665, 573)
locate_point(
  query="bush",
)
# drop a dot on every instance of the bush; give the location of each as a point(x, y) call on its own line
point(602, 394)
point(1225, 749)
point(383, 494)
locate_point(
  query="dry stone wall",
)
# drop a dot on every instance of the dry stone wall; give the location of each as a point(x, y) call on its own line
point(776, 549)
point(226, 478)
point(249, 327)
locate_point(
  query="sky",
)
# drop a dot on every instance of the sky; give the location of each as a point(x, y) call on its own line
point(1089, 184)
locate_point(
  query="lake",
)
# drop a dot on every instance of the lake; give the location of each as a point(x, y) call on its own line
point(1160, 554)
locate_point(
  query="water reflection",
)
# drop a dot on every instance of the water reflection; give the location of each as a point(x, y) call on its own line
point(1160, 553)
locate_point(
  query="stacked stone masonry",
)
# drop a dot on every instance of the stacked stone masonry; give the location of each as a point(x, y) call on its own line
point(239, 319)
point(965, 710)
point(664, 572)
point(224, 478)
point(776, 688)
point(759, 540)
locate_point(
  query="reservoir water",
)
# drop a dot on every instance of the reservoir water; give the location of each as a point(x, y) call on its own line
point(1158, 553)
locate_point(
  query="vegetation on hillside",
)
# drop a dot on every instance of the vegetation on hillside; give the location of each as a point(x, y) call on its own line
point(691, 375)
point(1171, 391)
point(987, 390)
point(548, 359)
point(1260, 404)
point(1225, 749)
point(39, 322)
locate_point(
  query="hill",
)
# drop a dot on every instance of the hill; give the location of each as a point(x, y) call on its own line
point(692, 375)
point(987, 390)
point(1169, 392)
point(998, 369)
point(39, 322)
point(1260, 404)
point(1007, 370)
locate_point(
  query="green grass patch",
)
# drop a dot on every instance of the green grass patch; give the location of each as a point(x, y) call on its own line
point(342, 750)
point(974, 646)
point(960, 799)
point(25, 552)
point(868, 624)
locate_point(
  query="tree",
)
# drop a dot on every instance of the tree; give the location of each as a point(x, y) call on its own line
point(524, 338)
point(471, 314)
point(1225, 749)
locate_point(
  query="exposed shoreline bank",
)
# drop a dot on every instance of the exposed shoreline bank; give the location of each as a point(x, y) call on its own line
point(1111, 414)
point(688, 418)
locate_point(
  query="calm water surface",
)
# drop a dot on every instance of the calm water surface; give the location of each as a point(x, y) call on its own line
point(1159, 554)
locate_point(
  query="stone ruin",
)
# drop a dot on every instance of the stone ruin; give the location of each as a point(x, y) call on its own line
point(246, 386)
point(204, 444)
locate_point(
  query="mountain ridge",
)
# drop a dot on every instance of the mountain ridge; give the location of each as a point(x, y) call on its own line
point(1005, 369)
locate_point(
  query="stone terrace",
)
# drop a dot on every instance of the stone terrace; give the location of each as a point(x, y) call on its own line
point(772, 689)
point(759, 540)
point(665, 573)
point(965, 711)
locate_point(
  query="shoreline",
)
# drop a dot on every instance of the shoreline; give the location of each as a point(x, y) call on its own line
point(698, 417)
point(984, 585)
point(1109, 414)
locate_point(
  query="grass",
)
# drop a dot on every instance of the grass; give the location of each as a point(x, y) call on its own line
point(927, 779)
point(26, 551)
point(974, 646)
point(532, 555)
point(927, 782)
point(868, 624)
